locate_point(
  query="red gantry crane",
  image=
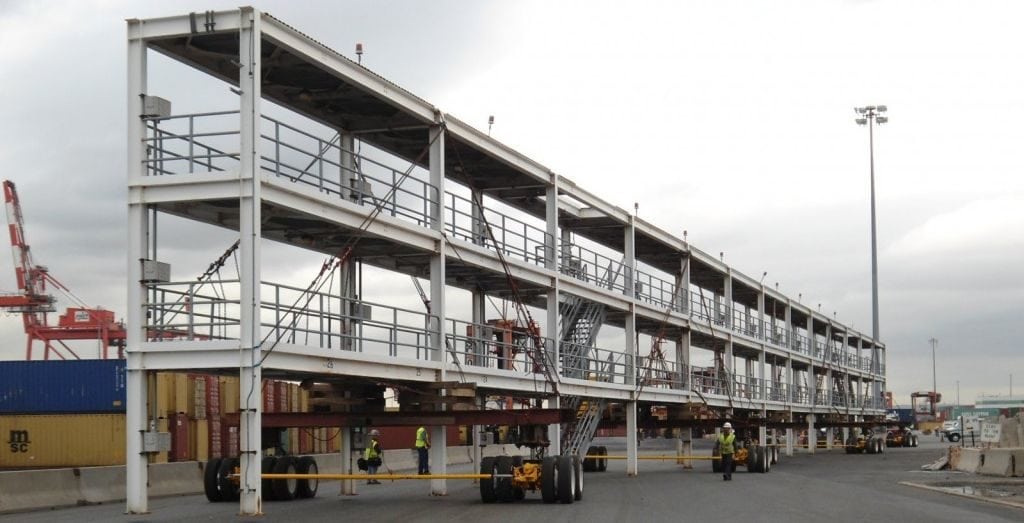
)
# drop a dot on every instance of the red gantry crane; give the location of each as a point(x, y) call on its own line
point(32, 301)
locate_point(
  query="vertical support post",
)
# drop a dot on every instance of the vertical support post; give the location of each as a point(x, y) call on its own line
point(551, 263)
point(812, 435)
point(683, 361)
point(789, 436)
point(136, 472)
point(348, 486)
point(349, 178)
point(632, 468)
point(250, 372)
point(438, 309)
point(729, 300)
point(686, 447)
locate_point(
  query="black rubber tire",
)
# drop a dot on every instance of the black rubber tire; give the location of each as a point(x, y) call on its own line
point(602, 464)
point(210, 486)
point(590, 465)
point(267, 467)
point(881, 446)
point(503, 488)
point(284, 489)
point(716, 464)
point(751, 458)
point(577, 488)
point(766, 461)
point(915, 442)
point(488, 492)
point(566, 480)
point(775, 455)
point(306, 488)
point(228, 487)
point(954, 438)
point(549, 479)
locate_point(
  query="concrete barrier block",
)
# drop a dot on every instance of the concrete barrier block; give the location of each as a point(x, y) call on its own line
point(175, 479)
point(106, 484)
point(1018, 461)
point(970, 460)
point(997, 462)
point(36, 489)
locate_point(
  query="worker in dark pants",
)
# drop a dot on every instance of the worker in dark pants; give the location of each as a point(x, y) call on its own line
point(726, 444)
point(422, 446)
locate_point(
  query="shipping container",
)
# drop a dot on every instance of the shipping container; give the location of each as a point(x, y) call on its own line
point(44, 387)
point(54, 441)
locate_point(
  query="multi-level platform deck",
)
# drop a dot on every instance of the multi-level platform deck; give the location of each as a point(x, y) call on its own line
point(323, 155)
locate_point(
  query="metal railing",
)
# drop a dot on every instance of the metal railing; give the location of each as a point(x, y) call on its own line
point(515, 238)
point(591, 267)
point(209, 142)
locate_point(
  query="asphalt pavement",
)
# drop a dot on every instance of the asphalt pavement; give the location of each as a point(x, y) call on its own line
point(829, 486)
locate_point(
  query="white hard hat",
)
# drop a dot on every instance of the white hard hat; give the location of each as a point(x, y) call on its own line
point(727, 425)
point(374, 432)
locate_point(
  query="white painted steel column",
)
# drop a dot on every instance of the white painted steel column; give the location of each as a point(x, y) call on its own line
point(683, 361)
point(789, 437)
point(632, 468)
point(348, 486)
point(727, 296)
point(349, 178)
point(438, 434)
point(136, 471)
point(250, 373)
point(683, 304)
point(551, 263)
point(812, 435)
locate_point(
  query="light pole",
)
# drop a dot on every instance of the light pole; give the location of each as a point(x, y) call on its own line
point(870, 115)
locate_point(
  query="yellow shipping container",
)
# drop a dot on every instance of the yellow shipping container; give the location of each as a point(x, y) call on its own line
point(303, 400)
point(184, 394)
point(201, 437)
point(72, 440)
point(229, 394)
point(160, 457)
point(164, 394)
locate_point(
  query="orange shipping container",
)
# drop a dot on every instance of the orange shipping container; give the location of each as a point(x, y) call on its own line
point(73, 440)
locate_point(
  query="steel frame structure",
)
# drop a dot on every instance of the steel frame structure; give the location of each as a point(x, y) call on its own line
point(776, 356)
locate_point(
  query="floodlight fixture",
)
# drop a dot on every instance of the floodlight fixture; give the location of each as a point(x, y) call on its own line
point(861, 121)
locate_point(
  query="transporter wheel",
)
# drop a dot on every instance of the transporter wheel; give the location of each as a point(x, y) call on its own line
point(306, 488)
point(210, 486)
point(488, 487)
point(228, 487)
point(602, 464)
point(881, 446)
point(503, 487)
point(766, 460)
point(716, 464)
point(915, 441)
point(775, 455)
point(549, 479)
point(284, 489)
point(954, 438)
point(577, 489)
point(590, 465)
point(566, 480)
point(267, 467)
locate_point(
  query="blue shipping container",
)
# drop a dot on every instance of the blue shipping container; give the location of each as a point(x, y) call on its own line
point(37, 387)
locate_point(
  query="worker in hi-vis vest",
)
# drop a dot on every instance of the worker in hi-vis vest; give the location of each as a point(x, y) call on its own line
point(727, 446)
point(422, 444)
point(373, 456)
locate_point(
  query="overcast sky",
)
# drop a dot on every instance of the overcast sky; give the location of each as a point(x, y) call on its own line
point(731, 120)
